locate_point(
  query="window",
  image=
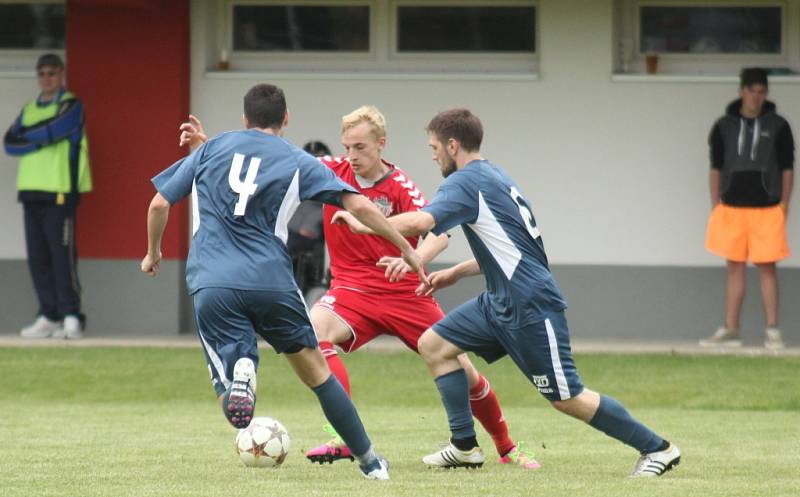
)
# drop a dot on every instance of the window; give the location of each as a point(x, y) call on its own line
point(710, 30)
point(298, 28)
point(466, 29)
point(715, 38)
point(31, 26)
point(375, 36)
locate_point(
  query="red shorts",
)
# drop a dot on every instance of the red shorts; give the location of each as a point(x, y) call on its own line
point(369, 315)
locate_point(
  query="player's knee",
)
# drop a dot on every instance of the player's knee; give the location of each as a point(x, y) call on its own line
point(428, 347)
point(564, 406)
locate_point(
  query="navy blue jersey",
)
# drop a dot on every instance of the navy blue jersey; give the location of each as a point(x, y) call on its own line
point(248, 184)
point(502, 233)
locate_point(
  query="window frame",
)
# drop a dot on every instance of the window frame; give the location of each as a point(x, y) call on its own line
point(23, 60)
point(394, 31)
point(782, 5)
point(628, 42)
point(285, 55)
point(383, 56)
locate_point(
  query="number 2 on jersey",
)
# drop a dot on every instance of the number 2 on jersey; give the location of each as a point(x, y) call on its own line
point(525, 212)
point(243, 188)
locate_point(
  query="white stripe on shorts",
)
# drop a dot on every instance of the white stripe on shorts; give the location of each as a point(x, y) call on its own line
point(561, 380)
point(216, 361)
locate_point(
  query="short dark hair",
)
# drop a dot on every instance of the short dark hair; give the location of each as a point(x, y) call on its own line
point(460, 124)
point(49, 59)
point(265, 106)
point(753, 76)
point(317, 148)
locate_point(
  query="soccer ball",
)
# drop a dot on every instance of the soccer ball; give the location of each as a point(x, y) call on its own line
point(263, 444)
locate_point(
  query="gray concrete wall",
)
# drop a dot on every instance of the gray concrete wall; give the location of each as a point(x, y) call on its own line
point(614, 302)
point(117, 297)
point(656, 303)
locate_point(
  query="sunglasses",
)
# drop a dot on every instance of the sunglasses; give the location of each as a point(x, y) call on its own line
point(43, 74)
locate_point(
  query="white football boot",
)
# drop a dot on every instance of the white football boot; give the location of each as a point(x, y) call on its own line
point(379, 471)
point(451, 457)
point(657, 463)
point(240, 399)
point(41, 328)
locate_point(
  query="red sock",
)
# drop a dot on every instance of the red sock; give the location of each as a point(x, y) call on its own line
point(336, 365)
point(486, 409)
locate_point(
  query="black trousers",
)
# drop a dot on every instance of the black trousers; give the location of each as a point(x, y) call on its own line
point(53, 258)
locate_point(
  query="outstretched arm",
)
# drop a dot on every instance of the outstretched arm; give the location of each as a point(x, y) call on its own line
point(449, 276)
point(365, 212)
point(408, 223)
point(430, 247)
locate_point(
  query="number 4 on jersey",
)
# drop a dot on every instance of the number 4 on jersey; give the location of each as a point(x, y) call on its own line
point(243, 188)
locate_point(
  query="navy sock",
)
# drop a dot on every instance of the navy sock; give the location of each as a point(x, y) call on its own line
point(454, 390)
point(612, 419)
point(342, 414)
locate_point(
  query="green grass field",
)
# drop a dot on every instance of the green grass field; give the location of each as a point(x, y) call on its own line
point(143, 422)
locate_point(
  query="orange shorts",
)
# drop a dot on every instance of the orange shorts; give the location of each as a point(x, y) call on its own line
point(741, 234)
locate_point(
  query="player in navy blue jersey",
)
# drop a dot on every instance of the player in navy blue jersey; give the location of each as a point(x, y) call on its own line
point(248, 184)
point(521, 314)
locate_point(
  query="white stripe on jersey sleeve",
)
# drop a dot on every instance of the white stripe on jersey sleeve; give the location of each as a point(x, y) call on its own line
point(494, 237)
point(288, 206)
point(195, 209)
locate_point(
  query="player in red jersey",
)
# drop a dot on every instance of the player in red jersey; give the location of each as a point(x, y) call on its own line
point(368, 296)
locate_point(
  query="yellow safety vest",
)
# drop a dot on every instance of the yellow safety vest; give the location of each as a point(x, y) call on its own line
point(48, 169)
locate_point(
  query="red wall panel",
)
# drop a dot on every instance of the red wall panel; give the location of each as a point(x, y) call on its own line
point(129, 64)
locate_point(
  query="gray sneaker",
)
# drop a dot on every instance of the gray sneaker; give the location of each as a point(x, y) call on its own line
point(71, 328)
point(723, 337)
point(773, 340)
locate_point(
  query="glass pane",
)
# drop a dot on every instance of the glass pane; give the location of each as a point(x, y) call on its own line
point(466, 29)
point(296, 28)
point(26, 25)
point(711, 30)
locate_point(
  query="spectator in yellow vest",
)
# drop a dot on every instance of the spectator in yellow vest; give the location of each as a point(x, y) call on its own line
point(48, 136)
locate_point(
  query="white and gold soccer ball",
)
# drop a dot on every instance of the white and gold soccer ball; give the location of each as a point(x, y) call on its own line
point(263, 444)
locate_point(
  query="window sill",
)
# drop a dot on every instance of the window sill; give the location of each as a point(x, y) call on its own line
point(371, 76)
point(686, 78)
point(18, 74)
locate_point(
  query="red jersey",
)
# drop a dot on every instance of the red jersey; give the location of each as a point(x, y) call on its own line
point(353, 257)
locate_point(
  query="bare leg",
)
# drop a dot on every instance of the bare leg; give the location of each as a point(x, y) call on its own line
point(583, 406)
point(734, 294)
point(441, 356)
point(769, 292)
point(310, 366)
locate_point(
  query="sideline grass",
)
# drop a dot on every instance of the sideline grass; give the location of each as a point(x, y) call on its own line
point(143, 422)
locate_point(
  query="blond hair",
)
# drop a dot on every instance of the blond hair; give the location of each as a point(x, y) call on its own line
point(366, 114)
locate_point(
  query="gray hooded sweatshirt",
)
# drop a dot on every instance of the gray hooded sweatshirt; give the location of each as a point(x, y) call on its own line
point(751, 155)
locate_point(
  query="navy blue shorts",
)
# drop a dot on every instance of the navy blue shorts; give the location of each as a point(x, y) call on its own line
point(540, 350)
point(228, 321)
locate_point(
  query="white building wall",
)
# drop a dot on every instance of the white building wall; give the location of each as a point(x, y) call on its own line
point(16, 88)
point(616, 171)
